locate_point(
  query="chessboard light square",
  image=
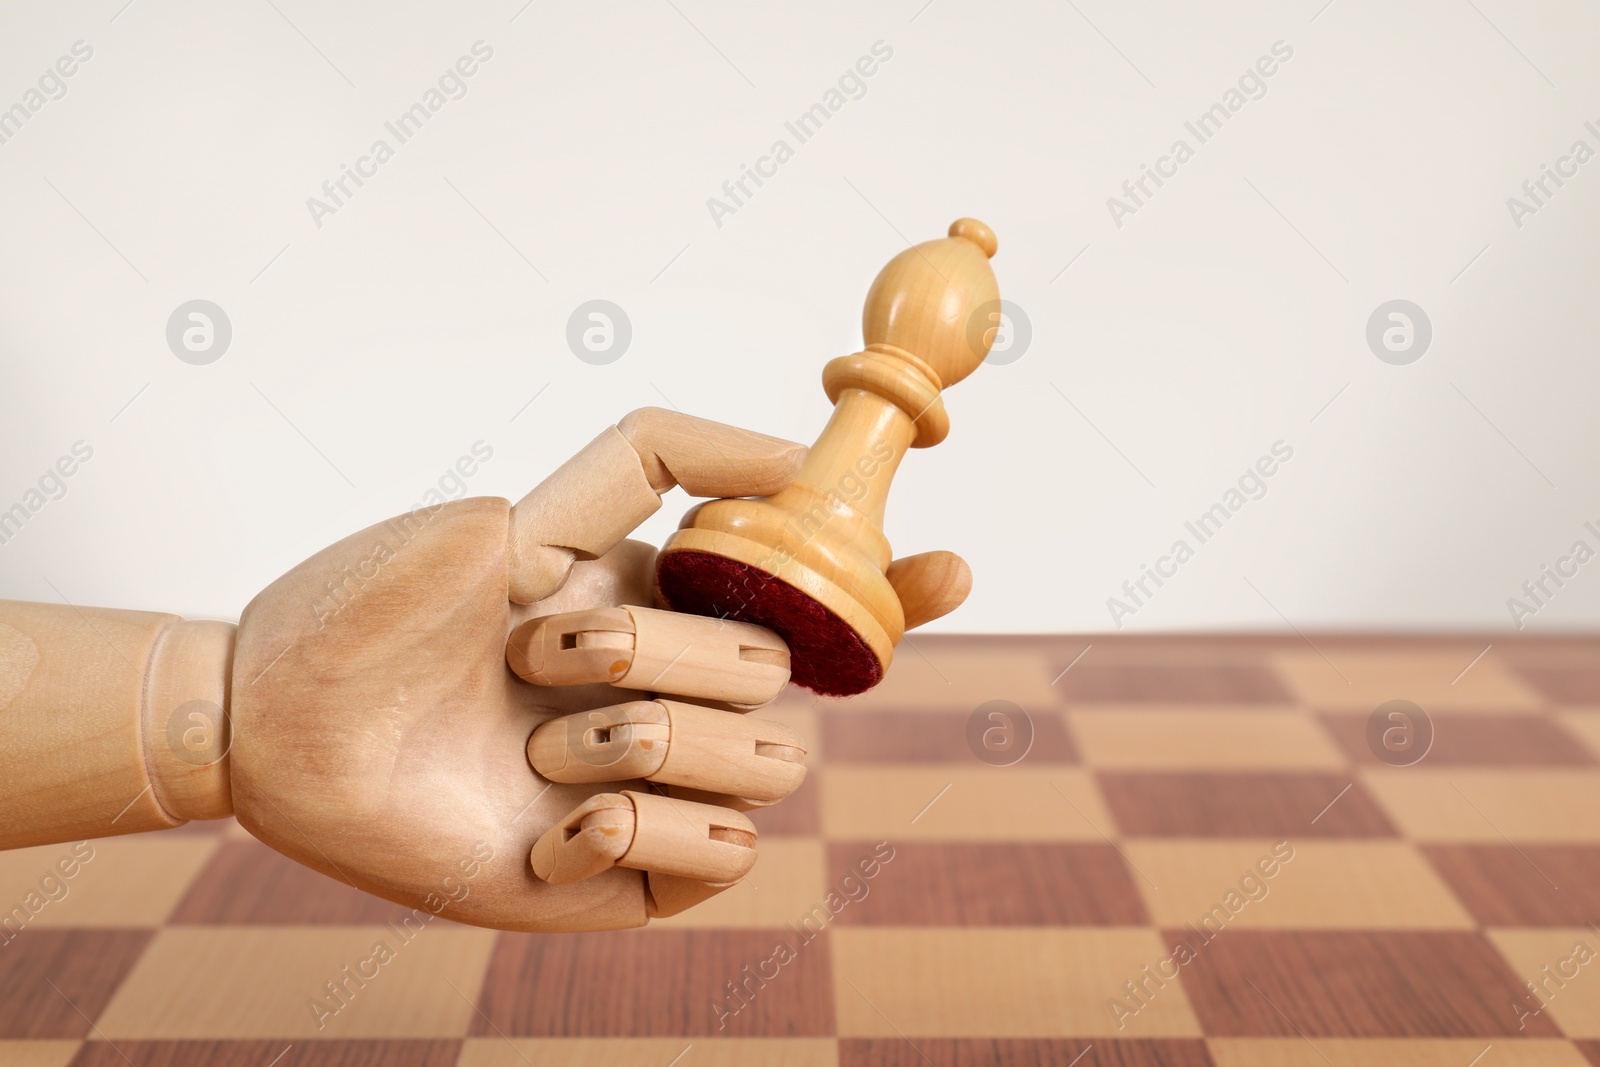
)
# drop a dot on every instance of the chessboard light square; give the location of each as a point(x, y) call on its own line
point(787, 881)
point(1431, 679)
point(1563, 963)
point(947, 676)
point(1000, 982)
point(124, 881)
point(1524, 804)
point(1390, 1052)
point(1208, 739)
point(1325, 885)
point(1585, 725)
point(866, 802)
point(37, 1053)
point(238, 982)
point(650, 1052)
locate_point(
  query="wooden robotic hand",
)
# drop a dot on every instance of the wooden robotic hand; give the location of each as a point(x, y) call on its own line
point(472, 709)
point(601, 757)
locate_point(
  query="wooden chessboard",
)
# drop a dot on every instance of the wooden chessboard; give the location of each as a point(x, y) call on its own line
point(1165, 778)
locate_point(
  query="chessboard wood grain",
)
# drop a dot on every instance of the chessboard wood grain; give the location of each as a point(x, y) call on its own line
point(1020, 1052)
point(1021, 901)
point(55, 983)
point(304, 1053)
point(1328, 884)
point(1017, 883)
point(1355, 983)
point(658, 983)
point(1254, 804)
point(1484, 740)
point(1522, 885)
point(924, 982)
point(246, 883)
point(939, 737)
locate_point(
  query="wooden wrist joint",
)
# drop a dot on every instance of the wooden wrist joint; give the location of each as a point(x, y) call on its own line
point(185, 724)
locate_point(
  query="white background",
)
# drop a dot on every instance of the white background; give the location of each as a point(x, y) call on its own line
point(370, 353)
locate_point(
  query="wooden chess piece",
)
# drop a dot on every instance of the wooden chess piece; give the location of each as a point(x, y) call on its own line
point(811, 562)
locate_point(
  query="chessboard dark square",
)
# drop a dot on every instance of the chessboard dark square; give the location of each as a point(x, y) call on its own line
point(1021, 1052)
point(1241, 805)
point(930, 737)
point(800, 814)
point(54, 983)
point(1522, 885)
point(247, 883)
point(974, 884)
point(658, 983)
point(1566, 685)
point(1475, 740)
point(1353, 983)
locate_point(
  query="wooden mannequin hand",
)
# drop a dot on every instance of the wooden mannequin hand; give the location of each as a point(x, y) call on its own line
point(380, 737)
point(375, 731)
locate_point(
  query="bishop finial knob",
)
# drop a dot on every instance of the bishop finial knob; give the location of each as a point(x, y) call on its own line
point(976, 232)
point(926, 300)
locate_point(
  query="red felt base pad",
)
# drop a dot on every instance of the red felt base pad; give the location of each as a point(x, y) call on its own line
point(826, 655)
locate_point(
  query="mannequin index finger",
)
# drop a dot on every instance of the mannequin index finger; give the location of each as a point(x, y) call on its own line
point(709, 458)
point(602, 494)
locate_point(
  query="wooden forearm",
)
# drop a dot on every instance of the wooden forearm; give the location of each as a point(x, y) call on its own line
point(111, 722)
